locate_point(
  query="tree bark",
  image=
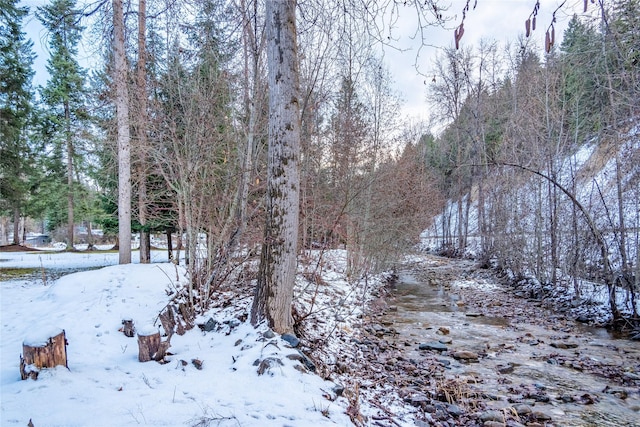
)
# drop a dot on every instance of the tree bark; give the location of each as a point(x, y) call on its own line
point(148, 346)
point(67, 118)
point(16, 225)
point(141, 126)
point(124, 143)
point(276, 276)
point(48, 354)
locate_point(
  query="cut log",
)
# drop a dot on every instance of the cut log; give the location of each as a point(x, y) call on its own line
point(41, 353)
point(127, 327)
point(148, 345)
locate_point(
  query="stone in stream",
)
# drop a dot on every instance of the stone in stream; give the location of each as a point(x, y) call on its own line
point(522, 409)
point(563, 344)
point(495, 416)
point(507, 368)
point(443, 330)
point(432, 345)
point(465, 355)
point(540, 416)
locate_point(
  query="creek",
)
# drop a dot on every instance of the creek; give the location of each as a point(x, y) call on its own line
point(506, 351)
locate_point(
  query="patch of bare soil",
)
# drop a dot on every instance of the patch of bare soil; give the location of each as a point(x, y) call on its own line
point(16, 248)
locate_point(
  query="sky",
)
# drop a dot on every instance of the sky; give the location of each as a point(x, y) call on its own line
point(499, 20)
point(502, 21)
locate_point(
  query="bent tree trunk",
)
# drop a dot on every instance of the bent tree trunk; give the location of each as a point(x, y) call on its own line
point(602, 244)
point(276, 277)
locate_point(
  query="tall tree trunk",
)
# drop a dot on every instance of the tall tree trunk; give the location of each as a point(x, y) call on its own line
point(67, 118)
point(124, 143)
point(276, 276)
point(16, 225)
point(141, 126)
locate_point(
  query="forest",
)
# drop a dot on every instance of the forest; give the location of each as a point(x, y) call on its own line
point(202, 119)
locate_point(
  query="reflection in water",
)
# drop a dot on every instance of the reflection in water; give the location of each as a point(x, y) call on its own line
point(424, 307)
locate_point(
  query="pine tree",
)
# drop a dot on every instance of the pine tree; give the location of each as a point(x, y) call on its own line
point(64, 93)
point(581, 59)
point(16, 73)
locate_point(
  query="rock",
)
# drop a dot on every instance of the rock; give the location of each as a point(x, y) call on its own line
point(505, 369)
point(266, 364)
point(302, 358)
point(582, 319)
point(540, 416)
point(433, 345)
point(454, 410)
point(442, 330)
point(488, 416)
point(445, 340)
point(291, 339)
point(338, 390)
point(418, 400)
point(563, 345)
point(465, 355)
point(522, 409)
point(444, 362)
point(473, 314)
point(269, 334)
point(210, 325)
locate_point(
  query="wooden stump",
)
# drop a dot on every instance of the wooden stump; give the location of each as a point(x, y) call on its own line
point(46, 353)
point(127, 327)
point(148, 346)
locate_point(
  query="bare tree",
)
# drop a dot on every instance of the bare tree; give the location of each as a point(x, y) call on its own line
point(276, 277)
point(124, 143)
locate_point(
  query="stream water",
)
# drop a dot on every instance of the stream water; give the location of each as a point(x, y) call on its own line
point(577, 377)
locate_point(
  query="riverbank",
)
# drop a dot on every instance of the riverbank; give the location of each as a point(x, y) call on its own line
point(446, 345)
point(456, 348)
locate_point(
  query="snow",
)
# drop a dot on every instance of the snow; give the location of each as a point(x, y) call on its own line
point(106, 385)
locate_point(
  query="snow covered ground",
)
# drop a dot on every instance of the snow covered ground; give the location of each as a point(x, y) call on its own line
point(106, 385)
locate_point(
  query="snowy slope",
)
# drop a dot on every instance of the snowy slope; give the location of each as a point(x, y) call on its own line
point(105, 384)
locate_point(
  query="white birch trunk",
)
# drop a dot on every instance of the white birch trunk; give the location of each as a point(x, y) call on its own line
point(276, 278)
point(124, 143)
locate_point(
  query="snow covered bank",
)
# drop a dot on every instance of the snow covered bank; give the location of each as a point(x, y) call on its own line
point(105, 384)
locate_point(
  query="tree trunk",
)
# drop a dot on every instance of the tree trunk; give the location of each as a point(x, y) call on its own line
point(124, 143)
point(16, 225)
point(169, 246)
point(43, 354)
point(67, 118)
point(276, 276)
point(141, 126)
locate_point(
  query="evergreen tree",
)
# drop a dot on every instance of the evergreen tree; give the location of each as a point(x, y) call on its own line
point(16, 73)
point(582, 67)
point(64, 95)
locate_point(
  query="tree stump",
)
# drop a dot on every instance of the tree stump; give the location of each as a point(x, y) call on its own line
point(43, 353)
point(148, 345)
point(127, 327)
